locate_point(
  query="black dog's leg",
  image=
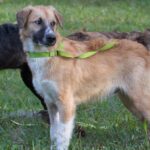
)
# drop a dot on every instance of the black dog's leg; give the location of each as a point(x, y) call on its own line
point(27, 79)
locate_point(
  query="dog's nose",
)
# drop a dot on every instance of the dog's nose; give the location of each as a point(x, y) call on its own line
point(51, 39)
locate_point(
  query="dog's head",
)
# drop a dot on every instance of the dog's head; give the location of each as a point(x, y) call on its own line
point(38, 26)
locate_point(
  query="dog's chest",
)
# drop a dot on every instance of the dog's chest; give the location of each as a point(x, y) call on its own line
point(47, 88)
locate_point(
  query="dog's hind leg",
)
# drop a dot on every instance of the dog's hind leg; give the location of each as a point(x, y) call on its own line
point(128, 103)
point(62, 122)
point(139, 105)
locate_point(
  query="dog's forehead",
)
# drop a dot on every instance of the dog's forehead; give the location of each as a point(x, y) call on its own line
point(42, 12)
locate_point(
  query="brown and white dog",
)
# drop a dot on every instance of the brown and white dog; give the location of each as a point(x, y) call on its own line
point(65, 83)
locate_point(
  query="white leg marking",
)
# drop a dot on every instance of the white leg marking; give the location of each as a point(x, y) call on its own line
point(61, 133)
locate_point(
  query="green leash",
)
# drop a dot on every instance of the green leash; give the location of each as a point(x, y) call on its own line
point(65, 54)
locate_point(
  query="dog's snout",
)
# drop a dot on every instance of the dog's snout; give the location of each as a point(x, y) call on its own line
point(51, 38)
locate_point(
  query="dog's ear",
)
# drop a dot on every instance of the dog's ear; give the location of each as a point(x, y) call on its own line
point(22, 16)
point(58, 16)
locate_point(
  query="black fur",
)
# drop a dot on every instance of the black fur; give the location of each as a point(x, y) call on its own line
point(39, 36)
point(11, 53)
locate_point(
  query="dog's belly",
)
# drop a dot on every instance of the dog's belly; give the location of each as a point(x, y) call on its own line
point(45, 87)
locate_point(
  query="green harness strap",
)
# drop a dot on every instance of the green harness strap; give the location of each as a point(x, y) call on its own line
point(66, 54)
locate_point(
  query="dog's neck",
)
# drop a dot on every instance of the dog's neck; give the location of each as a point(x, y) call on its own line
point(29, 46)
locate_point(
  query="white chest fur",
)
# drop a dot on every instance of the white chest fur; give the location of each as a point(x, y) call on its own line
point(45, 87)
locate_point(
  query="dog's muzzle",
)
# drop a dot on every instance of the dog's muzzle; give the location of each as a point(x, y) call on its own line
point(50, 39)
point(45, 37)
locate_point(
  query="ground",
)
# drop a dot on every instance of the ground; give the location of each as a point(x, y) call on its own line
point(108, 124)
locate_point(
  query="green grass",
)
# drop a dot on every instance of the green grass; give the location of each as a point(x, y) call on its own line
point(108, 124)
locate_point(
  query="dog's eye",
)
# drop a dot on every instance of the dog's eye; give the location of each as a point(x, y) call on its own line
point(39, 21)
point(52, 23)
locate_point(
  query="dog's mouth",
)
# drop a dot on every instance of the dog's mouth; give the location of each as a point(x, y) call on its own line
point(45, 41)
point(45, 44)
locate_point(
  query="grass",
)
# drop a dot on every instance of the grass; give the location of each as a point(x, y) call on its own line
point(108, 124)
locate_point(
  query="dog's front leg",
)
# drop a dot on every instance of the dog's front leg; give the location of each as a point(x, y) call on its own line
point(62, 123)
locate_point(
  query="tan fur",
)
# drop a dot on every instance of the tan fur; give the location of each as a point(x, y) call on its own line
point(125, 68)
